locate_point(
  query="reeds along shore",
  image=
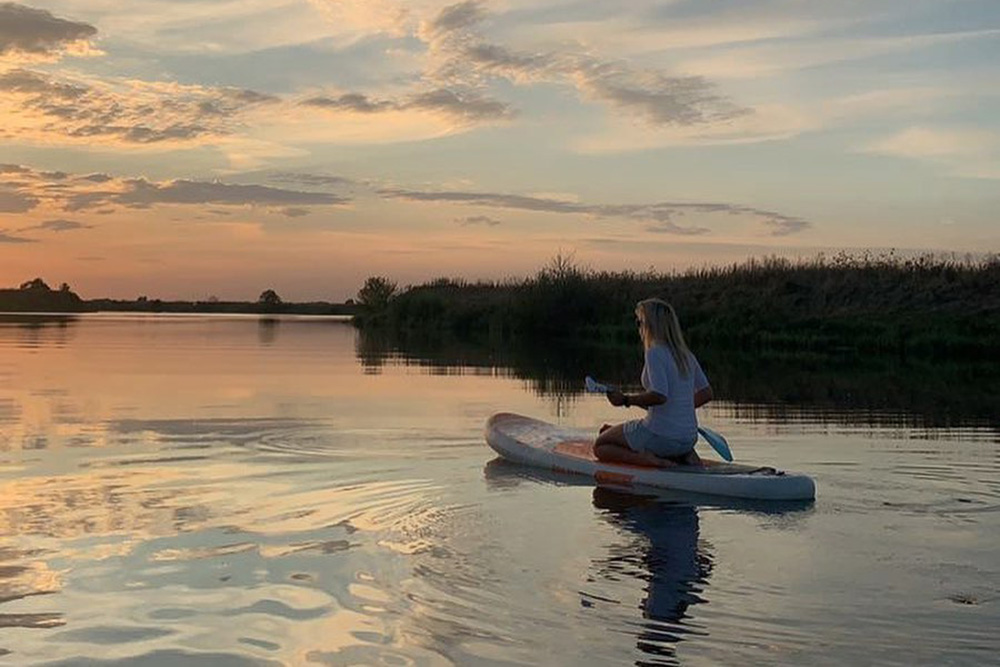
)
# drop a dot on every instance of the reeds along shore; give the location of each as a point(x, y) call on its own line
point(929, 305)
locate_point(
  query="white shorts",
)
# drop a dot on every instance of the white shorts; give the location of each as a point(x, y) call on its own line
point(641, 439)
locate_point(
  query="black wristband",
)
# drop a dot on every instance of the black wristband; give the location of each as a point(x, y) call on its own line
point(625, 401)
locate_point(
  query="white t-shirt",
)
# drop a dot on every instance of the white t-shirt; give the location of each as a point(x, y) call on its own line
point(674, 419)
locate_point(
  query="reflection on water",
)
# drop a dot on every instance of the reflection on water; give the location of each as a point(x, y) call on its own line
point(656, 550)
point(662, 550)
point(267, 330)
point(32, 331)
point(179, 490)
point(758, 386)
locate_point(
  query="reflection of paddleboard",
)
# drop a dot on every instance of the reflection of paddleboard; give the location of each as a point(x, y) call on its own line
point(538, 443)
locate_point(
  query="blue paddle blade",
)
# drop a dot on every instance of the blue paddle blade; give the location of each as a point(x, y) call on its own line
point(718, 443)
point(594, 386)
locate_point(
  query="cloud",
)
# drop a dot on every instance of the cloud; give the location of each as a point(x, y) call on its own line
point(313, 180)
point(23, 189)
point(7, 238)
point(783, 225)
point(660, 216)
point(140, 193)
point(450, 94)
point(96, 178)
point(478, 220)
point(58, 225)
point(754, 61)
point(367, 17)
point(658, 98)
point(774, 122)
point(73, 193)
point(466, 106)
point(936, 142)
point(455, 17)
point(960, 151)
point(15, 201)
point(355, 102)
point(38, 106)
point(35, 34)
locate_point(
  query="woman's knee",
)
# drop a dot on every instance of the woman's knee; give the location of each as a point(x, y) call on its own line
point(604, 451)
point(609, 436)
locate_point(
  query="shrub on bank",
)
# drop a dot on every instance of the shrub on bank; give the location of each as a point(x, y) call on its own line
point(927, 304)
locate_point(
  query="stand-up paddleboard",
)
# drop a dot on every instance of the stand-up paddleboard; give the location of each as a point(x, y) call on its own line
point(545, 445)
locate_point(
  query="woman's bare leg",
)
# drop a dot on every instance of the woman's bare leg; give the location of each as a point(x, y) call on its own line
point(611, 447)
point(693, 459)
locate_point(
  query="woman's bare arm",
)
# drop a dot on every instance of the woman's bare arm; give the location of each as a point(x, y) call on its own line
point(646, 399)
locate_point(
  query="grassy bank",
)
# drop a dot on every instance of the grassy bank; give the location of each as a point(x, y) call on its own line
point(930, 305)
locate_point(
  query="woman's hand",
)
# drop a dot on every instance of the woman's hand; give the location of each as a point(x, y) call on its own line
point(615, 398)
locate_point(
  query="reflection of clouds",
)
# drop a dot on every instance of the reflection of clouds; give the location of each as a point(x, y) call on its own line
point(175, 657)
point(26, 578)
point(10, 412)
point(231, 431)
point(72, 506)
point(205, 546)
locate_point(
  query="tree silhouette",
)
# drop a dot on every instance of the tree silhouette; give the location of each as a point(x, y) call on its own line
point(36, 284)
point(376, 294)
point(269, 298)
point(269, 301)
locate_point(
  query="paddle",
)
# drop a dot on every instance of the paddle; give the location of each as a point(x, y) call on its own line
point(714, 439)
point(718, 443)
point(595, 387)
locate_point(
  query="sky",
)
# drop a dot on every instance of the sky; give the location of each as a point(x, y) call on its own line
point(183, 149)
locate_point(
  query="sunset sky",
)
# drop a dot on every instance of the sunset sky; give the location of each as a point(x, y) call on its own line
point(187, 148)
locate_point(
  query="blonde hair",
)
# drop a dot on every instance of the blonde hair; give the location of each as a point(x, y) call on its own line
point(659, 324)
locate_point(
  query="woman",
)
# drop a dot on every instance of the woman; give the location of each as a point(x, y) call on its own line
point(674, 386)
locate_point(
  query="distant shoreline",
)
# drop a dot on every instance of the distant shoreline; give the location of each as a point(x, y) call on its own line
point(20, 315)
point(41, 299)
point(220, 307)
point(927, 306)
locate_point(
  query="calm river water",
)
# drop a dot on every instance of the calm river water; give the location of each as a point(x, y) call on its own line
point(184, 490)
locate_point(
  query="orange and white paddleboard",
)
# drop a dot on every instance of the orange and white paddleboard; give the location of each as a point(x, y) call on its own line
point(545, 445)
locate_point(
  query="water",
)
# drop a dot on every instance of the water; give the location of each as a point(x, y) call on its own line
point(233, 491)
